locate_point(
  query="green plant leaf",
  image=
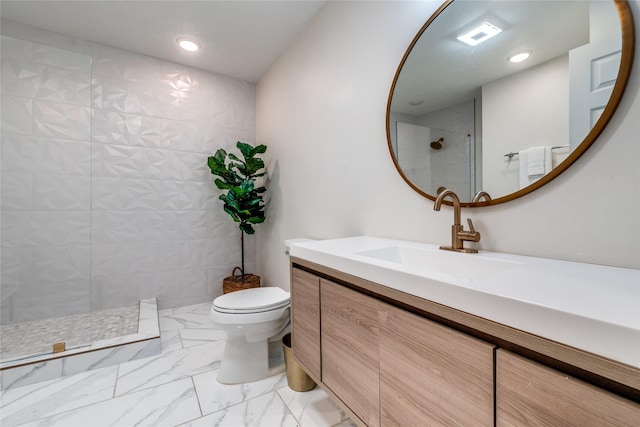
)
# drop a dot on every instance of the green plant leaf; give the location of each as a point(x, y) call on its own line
point(242, 200)
point(254, 165)
point(256, 219)
point(222, 184)
point(247, 185)
point(260, 149)
point(247, 228)
point(231, 212)
point(245, 149)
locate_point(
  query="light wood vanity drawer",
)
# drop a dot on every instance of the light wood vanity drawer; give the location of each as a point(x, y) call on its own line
point(433, 373)
point(350, 330)
point(531, 394)
point(305, 314)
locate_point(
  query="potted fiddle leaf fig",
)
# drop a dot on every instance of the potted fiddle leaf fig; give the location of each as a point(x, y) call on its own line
point(242, 199)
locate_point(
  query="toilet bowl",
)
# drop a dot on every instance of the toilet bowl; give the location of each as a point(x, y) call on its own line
point(255, 321)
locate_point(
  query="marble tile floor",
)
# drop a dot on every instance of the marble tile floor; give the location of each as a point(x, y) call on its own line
point(176, 388)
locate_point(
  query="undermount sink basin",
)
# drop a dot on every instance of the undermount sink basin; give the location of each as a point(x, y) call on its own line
point(466, 266)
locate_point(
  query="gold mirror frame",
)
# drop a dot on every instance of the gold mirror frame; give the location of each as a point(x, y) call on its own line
point(626, 61)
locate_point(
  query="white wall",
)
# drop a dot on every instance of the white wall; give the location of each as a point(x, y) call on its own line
point(414, 154)
point(321, 110)
point(143, 212)
point(512, 110)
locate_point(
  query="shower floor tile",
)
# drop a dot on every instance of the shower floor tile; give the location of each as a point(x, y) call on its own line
point(25, 339)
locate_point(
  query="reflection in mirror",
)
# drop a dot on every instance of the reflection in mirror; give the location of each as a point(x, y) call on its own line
point(467, 118)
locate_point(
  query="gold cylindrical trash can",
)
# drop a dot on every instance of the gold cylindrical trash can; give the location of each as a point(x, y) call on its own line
point(297, 378)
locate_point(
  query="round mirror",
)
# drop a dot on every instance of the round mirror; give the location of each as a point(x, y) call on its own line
point(503, 96)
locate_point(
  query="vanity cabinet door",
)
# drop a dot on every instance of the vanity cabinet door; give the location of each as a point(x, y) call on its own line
point(305, 314)
point(350, 330)
point(531, 394)
point(432, 375)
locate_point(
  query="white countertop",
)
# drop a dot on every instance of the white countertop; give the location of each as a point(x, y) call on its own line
point(591, 307)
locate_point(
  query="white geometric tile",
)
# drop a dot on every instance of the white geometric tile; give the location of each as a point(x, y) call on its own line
point(45, 300)
point(17, 116)
point(161, 256)
point(225, 251)
point(45, 155)
point(17, 190)
point(61, 263)
point(195, 287)
point(96, 92)
point(64, 85)
point(112, 127)
point(19, 77)
point(44, 228)
point(135, 226)
point(117, 63)
point(129, 97)
point(64, 121)
point(128, 161)
point(184, 136)
point(61, 58)
point(61, 192)
point(16, 270)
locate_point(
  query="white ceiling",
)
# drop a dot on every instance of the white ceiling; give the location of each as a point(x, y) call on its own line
point(240, 39)
point(441, 71)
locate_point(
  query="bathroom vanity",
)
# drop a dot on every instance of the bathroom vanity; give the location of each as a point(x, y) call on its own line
point(397, 332)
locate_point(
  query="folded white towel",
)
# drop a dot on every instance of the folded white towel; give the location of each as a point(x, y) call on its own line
point(537, 160)
point(534, 163)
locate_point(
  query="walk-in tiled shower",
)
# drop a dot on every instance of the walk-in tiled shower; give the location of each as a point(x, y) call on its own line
point(105, 196)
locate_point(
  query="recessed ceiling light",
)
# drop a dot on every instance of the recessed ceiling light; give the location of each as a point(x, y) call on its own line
point(520, 56)
point(416, 102)
point(479, 33)
point(188, 44)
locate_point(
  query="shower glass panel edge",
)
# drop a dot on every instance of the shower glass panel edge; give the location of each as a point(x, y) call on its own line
point(45, 199)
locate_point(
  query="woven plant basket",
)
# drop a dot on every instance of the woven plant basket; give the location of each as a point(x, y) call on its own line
point(236, 283)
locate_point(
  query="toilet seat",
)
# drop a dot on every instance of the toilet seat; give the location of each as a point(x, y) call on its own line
point(255, 300)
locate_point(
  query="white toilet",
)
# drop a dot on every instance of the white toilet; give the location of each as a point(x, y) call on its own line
point(255, 321)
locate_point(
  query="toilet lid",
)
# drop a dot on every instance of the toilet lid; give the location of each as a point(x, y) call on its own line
point(252, 300)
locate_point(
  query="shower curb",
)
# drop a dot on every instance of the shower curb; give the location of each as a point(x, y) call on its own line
point(144, 343)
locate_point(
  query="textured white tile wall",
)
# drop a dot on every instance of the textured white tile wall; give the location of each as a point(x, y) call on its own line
point(158, 229)
point(109, 156)
point(46, 188)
